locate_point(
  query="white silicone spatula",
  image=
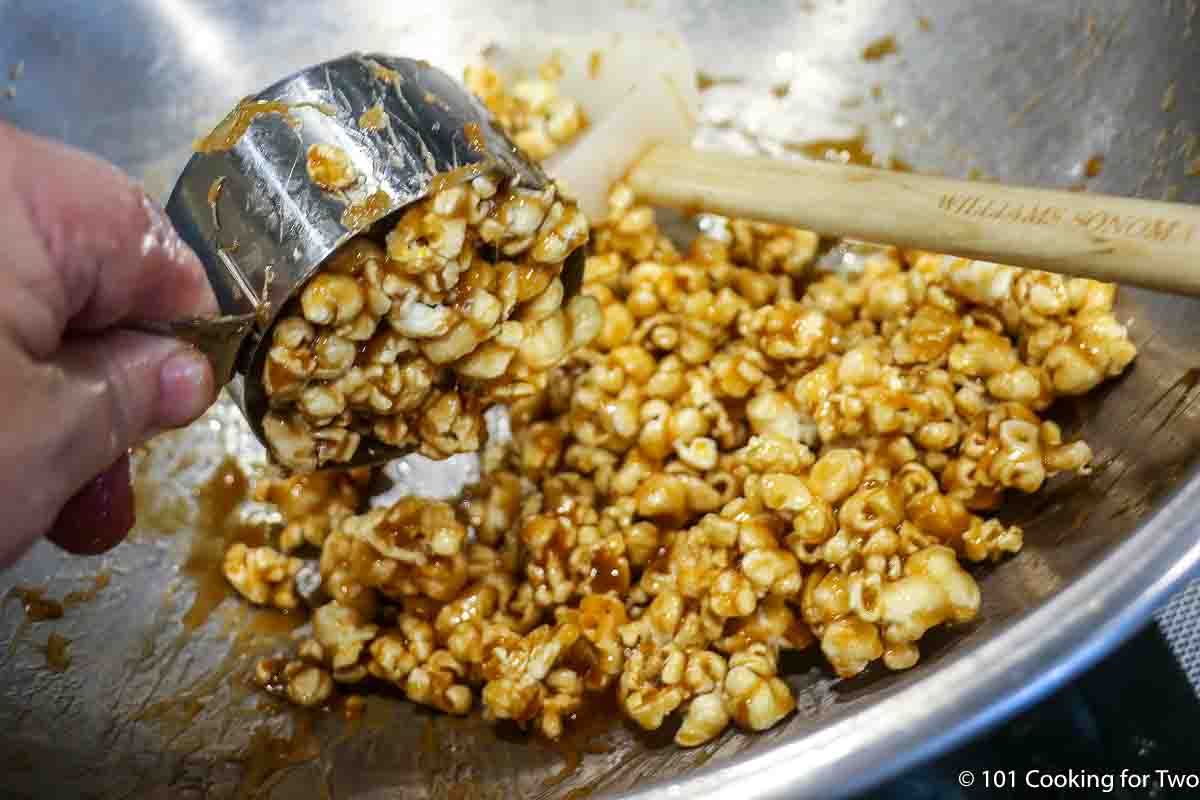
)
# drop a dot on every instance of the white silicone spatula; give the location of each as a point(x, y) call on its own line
point(642, 103)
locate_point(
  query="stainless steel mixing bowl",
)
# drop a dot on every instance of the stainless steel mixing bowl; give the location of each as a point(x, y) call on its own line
point(1019, 89)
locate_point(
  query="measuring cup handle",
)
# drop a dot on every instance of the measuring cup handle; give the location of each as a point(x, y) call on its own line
point(219, 338)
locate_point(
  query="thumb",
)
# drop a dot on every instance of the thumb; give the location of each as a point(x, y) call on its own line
point(107, 392)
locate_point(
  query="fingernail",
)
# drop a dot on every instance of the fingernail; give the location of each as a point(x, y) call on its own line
point(186, 388)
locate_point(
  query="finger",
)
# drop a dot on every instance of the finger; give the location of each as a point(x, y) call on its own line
point(99, 515)
point(107, 392)
point(112, 253)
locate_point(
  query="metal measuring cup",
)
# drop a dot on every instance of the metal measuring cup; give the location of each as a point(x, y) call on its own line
point(261, 226)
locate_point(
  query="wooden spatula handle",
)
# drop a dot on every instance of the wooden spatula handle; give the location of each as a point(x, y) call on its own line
point(1137, 242)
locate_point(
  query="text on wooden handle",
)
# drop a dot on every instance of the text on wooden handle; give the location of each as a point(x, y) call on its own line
point(1102, 223)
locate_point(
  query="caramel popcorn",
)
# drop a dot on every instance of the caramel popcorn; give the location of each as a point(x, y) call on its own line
point(313, 505)
point(535, 114)
point(408, 340)
point(727, 454)
point(262, 575)
point(299, 680)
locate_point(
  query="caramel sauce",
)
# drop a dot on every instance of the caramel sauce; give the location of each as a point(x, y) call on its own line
point(384, 74)
point(268, 754)
point(984, 499)
point(353, 711)
point(561, 544)
point(57, 659)
point(298, 495)
point(277, 376)
point(366, 212)
point(572, 759)
point(936, 513)
point(470, 610)
point(373, 119)
point(38, 607)
point(467, 790)
point(584, 734)
point(661, 562)
point(214, 192)
point(595, 64)
point(216, 529)
point(231, 673)
point(847, 151)
point(705, 81)
point(436, 100)
point(81, 596)
point(878, 49)
point(456, 176)
point(269, 623)
point(608, 574)
point(329, 169)
point(474, 136)
point(400, 534)
point(429, 738)
point(231, 129)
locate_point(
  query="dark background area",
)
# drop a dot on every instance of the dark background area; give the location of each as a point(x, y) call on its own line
point(1135, 710)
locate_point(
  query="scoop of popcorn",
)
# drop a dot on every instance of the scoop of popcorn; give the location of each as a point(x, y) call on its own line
point(385, 343)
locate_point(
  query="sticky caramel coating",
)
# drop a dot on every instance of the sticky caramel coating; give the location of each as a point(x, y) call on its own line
point(745, 455)
point(409, 340)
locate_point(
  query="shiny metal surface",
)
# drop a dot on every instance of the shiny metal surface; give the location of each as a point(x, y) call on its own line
point(246, 204)
point(1023, 90)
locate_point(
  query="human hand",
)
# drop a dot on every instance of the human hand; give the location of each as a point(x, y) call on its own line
point(86, 251)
